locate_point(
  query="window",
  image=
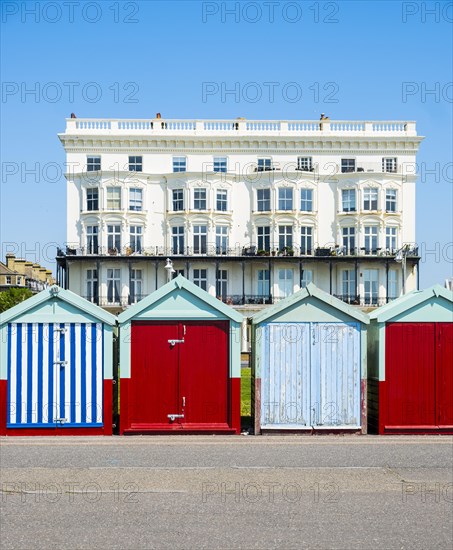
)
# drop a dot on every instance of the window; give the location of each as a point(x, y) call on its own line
point(390, 200)
point(8, 279)
point(263, 282)
point(113, 198)
point(92, 285)
point(114, 238)
point(92, 239)
point(222, 200)
point(285, 237)
point(391, 234)
point(263, 200)
point(200, 278)
point(220, 164)
point(221, 239)
point(305, 164)
point(93, 164)
point(222, 283)
point(178, 200)
point(347, 165)
point(348, 200)
point(371, 286)
point(389, 164)
point(264, 238)
point(348, 288)
point(307, 278)
point(136, 238)
point(348, 234)
point(306, 200)
point(285, 282)
point(370, 198)
point(371, 239)
point(136, 200)
point(264, 164)
point(200, 235)
point(199, 199)
point(19, 280)
point(113, 286)
point(178, 272)
point(306, 240)
point(136, 285)
point(135, 164)
point(179, 164)
point(93, 199)
point(177, 237)
point(392, 291)
point(285, 198)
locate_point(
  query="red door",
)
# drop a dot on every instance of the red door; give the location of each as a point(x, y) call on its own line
point(153, 389)
point(203, 372)
point(410, 376)
point(179, 376)
point(444, 375)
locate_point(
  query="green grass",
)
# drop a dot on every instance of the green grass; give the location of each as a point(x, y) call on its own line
point(246, 385)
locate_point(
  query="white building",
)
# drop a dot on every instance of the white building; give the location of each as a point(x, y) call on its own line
point(249, 210)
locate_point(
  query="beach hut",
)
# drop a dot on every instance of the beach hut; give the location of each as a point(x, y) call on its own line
point(309, 365)
point(410, 351)
point(180, 363)
point(56, 366)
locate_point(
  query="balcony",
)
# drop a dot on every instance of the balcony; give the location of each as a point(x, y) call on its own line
point(214, 251)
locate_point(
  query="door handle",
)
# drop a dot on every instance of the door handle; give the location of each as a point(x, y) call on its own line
point(183, 402)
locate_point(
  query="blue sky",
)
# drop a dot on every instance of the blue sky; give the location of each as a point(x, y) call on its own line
point(368, 60)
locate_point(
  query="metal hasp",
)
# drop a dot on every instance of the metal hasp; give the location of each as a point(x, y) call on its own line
point(172, 417)
point(61, 363)
point(174, 342)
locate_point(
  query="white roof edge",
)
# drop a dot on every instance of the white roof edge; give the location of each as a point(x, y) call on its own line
point(310, 290)
point(179, 282)
point(408, 301)
point(56, 292)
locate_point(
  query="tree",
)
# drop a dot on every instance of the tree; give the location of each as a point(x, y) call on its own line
point(13, 296)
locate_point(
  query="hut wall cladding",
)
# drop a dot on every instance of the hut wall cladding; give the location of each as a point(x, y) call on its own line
point(55, 373)
point(419, 377)
point(310, 375)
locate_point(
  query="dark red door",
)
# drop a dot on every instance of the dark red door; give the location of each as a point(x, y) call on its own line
point(153, 392)
point(179, 376)
point(203, 371)
point(444, 374)
point(410, 376)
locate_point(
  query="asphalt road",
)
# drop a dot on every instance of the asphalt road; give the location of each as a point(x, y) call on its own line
point(345, 492)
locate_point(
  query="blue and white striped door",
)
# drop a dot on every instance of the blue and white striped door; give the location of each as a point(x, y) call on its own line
point(55, 375)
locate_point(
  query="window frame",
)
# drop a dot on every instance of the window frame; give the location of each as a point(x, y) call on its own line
point(135, 205)
point(112, 200)
point(370, 196)
point(220, 164)
point(93, 163)
point(200, 278)
point(348, 165)
point(304, 166)
point(308, 201)
point(92, 201)
point(203, 200)
point(282, 201)
point(134, 164)
point(179, 164)
point(177, 201)
point(262, 202)
point(221, 200)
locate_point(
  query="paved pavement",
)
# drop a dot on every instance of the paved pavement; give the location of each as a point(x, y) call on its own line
point(345, 492)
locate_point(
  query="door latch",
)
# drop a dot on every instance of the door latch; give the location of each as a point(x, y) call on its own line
point(174, 342)
point(61, 363)
point(172, 417)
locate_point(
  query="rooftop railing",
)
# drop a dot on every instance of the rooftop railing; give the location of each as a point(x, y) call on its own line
point(239, 127)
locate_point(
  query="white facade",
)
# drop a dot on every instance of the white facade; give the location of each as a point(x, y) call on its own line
point(249, 210)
